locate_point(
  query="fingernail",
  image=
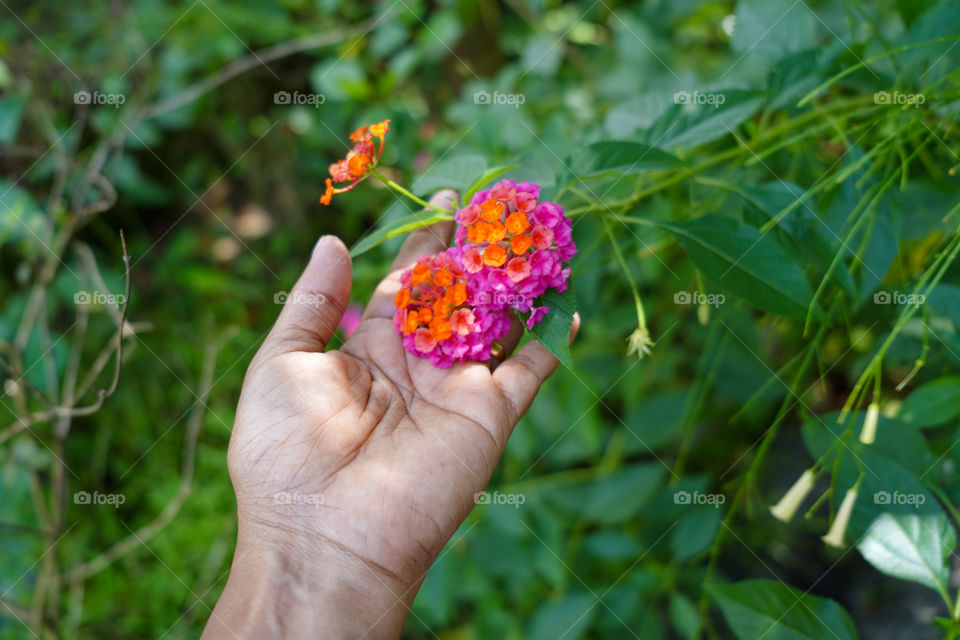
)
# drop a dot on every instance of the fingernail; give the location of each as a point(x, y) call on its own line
point(317, 246)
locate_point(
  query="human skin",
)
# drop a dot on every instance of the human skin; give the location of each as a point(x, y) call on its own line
point(378, 453)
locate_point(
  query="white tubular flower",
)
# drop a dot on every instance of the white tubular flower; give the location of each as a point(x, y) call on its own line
point(869, 433)
point(834, 537)
point(794, 497)
point(639, 343)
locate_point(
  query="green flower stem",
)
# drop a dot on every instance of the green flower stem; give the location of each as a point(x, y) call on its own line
point(396, 187)
point(641, 316)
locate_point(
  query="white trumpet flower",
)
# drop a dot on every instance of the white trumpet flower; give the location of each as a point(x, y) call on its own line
point(834, 536)
point(794, 497)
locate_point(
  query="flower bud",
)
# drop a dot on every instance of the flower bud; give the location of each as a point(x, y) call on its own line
point(834, 536)
point(869, 432)
point(794, 497)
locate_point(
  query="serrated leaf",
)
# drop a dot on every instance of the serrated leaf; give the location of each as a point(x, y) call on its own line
point(486, 177)
point(740, 260)
point(456, 173)
point(553, 332)
point(911, 546)
point(402, 225)
point(773, 611)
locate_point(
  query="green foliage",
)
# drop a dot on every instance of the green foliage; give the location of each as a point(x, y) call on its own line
point(755, 187)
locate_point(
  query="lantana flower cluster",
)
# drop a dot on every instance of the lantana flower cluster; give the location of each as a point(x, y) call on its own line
point(511, 248)
point(359, 161)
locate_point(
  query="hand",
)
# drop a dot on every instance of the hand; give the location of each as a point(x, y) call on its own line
point(374, 453)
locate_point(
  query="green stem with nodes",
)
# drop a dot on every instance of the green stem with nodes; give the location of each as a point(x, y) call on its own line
point(396, 187)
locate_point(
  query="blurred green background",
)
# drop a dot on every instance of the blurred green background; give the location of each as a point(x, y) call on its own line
point(216, 185)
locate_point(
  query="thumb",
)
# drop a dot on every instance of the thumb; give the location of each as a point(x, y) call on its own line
point(313, 308)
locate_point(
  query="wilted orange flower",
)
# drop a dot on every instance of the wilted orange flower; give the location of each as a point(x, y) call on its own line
point(359, 161)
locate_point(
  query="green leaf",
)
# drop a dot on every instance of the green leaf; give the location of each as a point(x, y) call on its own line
point(694, 532)
point(616, 498)
point(553, 332)
point(569, 618)
point(773, 611)
point(933, 403)
point(739, 260)
point(911, 546)
point(11, 112)
point(488, 175)
point(770, 29)
point(620, 156)
point(689, 125)
point(402, 225)
point(450, 173)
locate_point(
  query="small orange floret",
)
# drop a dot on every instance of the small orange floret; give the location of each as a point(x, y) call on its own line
point(496, 233)
point(380, 129)
point(359, 134)
point(520, 243)
point(517, 222)
point(410, 325)
point(440, 329)
point(420, 274)
point(441, 308)
point(443, 278)
point(402, 298)
point(494, 256)
point(328, 194)
point(458, 294)
point(491, 210)
point(426, 315)
point(357, 165)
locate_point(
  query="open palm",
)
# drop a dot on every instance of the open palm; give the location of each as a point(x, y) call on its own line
point(368, 453)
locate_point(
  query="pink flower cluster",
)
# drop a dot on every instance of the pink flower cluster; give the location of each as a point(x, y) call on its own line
point(510, 250)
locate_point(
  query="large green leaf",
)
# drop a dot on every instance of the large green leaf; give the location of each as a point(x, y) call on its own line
point(911, 546)
point(553, 332)
point(692, 124)
point(933, 403)
point(458, 172)
point(773, 611)
point(620, 156)
point(740, 260)
point(402, 225)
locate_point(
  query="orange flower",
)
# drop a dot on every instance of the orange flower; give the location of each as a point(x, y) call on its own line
point(380, 129)
point(496, 232)
point(328, 194)
point(494, 256)
point(402, 298)
point(443, 278)
point(517, 222)
point(440, 329)
point(421, 273)
point(520, 243)
point(458, 294)
point(359, 161)
point(491, 210)
point(410, 324)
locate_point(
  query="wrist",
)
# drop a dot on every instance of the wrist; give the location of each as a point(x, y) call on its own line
point(285, 583)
